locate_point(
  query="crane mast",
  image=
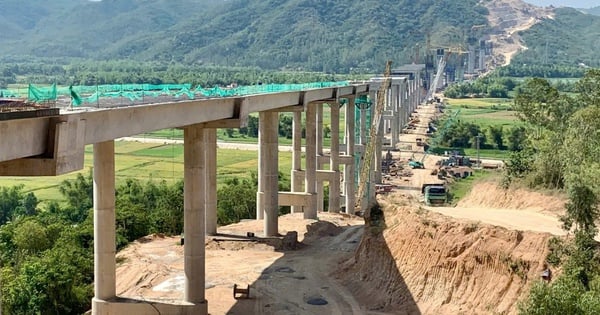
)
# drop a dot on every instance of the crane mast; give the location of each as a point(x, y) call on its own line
point(372, 145)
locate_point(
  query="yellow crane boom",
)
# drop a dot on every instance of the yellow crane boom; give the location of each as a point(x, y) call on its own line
point(371, 146)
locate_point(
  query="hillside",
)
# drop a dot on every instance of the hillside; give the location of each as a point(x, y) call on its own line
point(314, 35)
point(569, 38)
point(594, 11)
point(329, 36)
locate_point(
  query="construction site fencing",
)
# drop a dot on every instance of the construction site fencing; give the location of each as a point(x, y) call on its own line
point(134, 92)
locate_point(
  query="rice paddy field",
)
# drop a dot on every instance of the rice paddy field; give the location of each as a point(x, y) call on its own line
point(239, 138)
point(486, 112)
point(149, 161)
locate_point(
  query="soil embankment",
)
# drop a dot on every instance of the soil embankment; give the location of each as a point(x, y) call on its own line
point(419, 262)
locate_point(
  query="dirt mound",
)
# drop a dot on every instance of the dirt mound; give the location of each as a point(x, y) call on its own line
point(421, 262)
point(491, 195)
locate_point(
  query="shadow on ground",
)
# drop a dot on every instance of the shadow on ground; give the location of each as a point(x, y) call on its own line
point(337, 270)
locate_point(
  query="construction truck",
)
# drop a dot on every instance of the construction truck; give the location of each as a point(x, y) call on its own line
point(435, 194)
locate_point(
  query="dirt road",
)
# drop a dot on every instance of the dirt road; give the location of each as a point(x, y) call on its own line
point(520, 219)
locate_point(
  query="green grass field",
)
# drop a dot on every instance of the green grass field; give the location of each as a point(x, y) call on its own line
point(486, 112)
point(239, 138)
point(479, 102)
point(146, 161)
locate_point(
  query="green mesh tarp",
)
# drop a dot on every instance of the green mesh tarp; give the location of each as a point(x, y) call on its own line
point(136, 92)
point(9, 93)
point(42, 94)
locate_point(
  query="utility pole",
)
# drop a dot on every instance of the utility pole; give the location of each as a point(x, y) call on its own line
point(478, 145)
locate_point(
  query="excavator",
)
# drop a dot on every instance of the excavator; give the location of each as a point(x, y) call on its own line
point(417, 164)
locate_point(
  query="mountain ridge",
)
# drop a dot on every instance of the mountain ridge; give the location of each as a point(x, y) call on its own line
point(327, 36)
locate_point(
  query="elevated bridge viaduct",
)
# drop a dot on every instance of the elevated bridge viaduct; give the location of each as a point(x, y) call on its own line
point(54, 145)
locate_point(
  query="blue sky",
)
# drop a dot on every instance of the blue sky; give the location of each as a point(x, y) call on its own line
point(566, 3)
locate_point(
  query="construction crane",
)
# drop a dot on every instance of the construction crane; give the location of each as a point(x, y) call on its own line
point(371, 147)
point(438, 75)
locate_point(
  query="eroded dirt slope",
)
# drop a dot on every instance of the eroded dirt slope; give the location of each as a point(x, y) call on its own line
point(426, 263)
point(489, 194)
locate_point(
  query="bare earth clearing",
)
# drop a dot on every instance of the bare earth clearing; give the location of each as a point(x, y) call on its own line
point(410, 261)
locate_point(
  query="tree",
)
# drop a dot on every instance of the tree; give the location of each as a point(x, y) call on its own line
point(540, 104)
point(236, 201)
point(79, 193)
point(497, 134)
point(582, 209)
point(516, 138)
point(10, 200)
point(252, 128)
point(285, 126)
point(31, 236)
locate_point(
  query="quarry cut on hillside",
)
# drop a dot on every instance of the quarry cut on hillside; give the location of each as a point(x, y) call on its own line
point(507, 18)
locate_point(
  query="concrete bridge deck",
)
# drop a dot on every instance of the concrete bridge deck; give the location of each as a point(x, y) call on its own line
point(53, 145)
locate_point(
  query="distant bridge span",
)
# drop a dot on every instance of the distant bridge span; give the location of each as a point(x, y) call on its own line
point(54, 145)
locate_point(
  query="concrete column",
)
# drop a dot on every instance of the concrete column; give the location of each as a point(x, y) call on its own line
point(334, 159)
point(296, 157)
point(104, 223)
point(363, 125)
point(395, 117)
point(320, 195)
point(210, 149)
point(260, 214)
point(349, 168)
point(194, 214)
point(268, 169)
point(310, 182)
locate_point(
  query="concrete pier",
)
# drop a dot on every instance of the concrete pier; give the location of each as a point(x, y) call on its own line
point(320, 137)
point(310, 183)
point(349, 169)
point(297, 176)
point(210, 151)
point(104, 226)
point(194, 216)
point(268, 170)
point(334, 159)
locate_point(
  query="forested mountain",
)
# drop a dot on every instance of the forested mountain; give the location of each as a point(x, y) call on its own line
point(317, 35)
point(594, 11)
point(570, 38)
point(333, 35)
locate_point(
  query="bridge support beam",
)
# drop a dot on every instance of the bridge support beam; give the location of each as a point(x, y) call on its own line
point(297, 175)
point(194, 222)
point(349, 169)
point(104, 226)
point(319, 130)
point(334, 159)
point(268, 171)
point(310, 182)
point(210, 201)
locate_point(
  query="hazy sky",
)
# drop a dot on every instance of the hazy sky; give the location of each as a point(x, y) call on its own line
point(566, 3)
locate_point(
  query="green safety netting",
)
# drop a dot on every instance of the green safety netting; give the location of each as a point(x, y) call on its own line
point(42, 94)
point(135, 92)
